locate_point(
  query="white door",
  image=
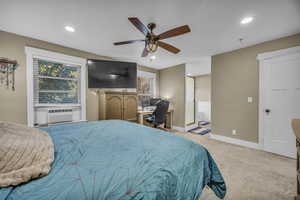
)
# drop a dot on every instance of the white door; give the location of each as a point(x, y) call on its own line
point(190, 101)
point(281, 103)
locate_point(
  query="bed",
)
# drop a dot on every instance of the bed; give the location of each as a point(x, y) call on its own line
point(118, 160)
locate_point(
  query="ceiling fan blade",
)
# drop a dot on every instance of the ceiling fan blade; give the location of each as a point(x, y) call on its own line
point(145, 52)
point(139, 25)
point(168, 47)
point(174, 32)
point(128, 42)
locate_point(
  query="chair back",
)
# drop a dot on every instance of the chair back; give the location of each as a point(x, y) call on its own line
point(161, 111)
point(154, 101)
point(296, 128)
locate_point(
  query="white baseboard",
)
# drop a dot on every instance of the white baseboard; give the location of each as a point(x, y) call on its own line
point(244, 143)
point(179, 128)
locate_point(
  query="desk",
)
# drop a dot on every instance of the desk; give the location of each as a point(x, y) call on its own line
point(169, 117)
point(296, 128)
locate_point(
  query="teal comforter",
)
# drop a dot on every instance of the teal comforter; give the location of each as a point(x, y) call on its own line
point(118, 160)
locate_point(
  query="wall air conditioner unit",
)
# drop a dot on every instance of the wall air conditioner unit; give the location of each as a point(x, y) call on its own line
point(58, 115)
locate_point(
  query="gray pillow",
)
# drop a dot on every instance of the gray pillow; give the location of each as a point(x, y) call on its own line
point(25, 153)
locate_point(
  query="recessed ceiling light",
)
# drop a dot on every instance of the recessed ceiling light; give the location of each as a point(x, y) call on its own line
point(70, 29)
point(153, 57)
point(247, 20)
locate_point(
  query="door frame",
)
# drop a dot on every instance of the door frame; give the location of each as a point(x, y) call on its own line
point(192, 123)
point(264, 60)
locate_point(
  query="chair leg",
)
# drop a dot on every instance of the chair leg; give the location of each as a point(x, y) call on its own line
point(162, 127)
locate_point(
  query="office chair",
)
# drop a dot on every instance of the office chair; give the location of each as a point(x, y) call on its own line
point(158, 117)
point(154, 101)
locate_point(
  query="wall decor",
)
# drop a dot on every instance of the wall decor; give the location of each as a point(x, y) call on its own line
point(7, 72)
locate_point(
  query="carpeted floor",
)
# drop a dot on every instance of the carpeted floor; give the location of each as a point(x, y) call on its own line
point(250, 174)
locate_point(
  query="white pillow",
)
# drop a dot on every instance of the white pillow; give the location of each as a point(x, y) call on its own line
point(25, 153)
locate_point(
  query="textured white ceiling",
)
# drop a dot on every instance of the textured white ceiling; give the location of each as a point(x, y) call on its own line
point(215, 24)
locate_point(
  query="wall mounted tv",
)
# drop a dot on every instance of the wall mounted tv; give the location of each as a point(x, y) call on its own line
point(111, 74)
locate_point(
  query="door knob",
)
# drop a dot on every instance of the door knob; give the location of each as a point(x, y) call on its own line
point(267, 111)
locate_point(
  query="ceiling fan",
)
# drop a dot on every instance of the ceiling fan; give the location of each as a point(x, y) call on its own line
point(153, 41)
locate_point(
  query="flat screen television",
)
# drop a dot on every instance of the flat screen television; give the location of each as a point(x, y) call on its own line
point(111, 74)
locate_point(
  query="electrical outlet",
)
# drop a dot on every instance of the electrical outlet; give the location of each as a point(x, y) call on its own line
point(250, 99)
point(233, 132)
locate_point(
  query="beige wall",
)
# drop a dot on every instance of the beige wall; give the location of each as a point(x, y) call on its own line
point(235, 76)
point(172, 86)
point(203, 88)
point(13, 106)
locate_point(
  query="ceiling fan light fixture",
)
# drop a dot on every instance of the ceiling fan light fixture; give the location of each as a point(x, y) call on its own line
point(152, 46)
point(153, 41)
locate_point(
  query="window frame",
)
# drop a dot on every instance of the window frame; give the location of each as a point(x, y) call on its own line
point(148, 75)
point(32, 53)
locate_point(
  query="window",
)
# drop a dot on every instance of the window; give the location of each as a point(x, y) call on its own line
point(54, 80)
point(56, 83)
point(146, 86)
